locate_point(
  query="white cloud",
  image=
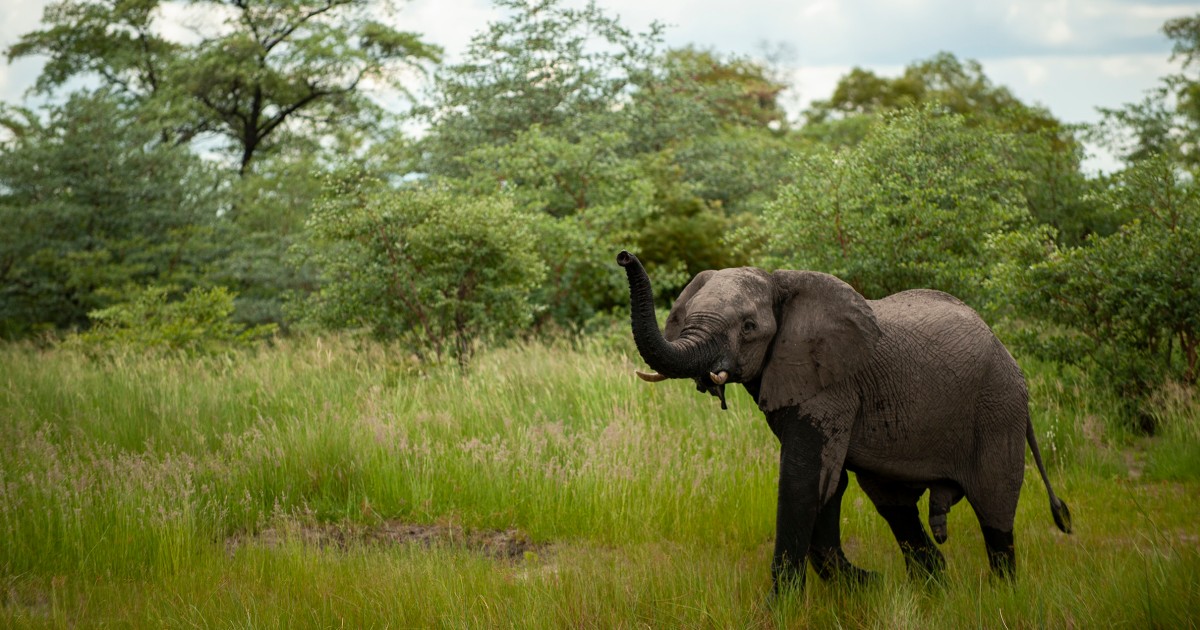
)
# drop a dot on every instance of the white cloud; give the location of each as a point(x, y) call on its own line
point(16, 19)
point(1074, 86)
point(1034, 71)
point(447, 23)
point(189, 23)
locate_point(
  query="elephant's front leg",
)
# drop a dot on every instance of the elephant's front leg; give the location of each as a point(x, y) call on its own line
point(825, 552)
point(805, 486)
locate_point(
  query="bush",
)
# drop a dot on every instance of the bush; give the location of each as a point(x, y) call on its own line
point(911, 206)
point(1128, 302)
point(431, 269)
point(92, 200)
point(197, 323)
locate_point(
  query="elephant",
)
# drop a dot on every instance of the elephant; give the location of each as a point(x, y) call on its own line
point(911, 392)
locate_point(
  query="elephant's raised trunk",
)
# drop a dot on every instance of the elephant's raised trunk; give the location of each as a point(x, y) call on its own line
point(682, 358)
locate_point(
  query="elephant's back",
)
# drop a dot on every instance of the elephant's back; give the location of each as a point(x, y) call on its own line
point(933, 339)
point(926, 310)
point(927, 322)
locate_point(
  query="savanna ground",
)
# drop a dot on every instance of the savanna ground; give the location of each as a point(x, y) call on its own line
point(326, 483)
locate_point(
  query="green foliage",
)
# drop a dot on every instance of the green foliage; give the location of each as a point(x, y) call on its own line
point(1058, 193)
point(1043, 149)
point(432, 269)
point(600, 201)
point(1128, 302)
point(91, 200)
point(911, 206)
point(536, 111)
point(563, 70)
point(266, 218)
point(622, 145)
point(720, 119)
point(942, 80)
point(113, 40)
point(270, 68)
point(149, 321)
point(739, 90)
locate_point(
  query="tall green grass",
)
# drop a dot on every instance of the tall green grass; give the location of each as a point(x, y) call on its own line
point(122, 481)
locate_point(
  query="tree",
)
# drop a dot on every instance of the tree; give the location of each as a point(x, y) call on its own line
point(434, 270)
point(1167, 120)
point(620, 143)
point(294, 65)
point(556, 68)
point(1042, 148)
point(92, 202)
point(272, 207)
point(721, 118)
point(590, 200)
point(1127, 303)
point(959, 87)
point(199, 322)
point(739, 89)
point(911, 206)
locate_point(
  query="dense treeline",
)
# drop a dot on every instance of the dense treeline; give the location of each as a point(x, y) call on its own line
point(196, 195)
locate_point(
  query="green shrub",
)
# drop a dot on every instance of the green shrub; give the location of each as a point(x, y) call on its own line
point(911, 206)
point(198, 322)
point(92, 200)
point(1129, 303)
point(434, 270)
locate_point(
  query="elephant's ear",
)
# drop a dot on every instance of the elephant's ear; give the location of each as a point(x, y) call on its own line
point(825, 332)
point(679, 308)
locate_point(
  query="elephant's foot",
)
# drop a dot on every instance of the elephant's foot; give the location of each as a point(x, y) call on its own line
point(786, 580)
point(921, 556)
point(1001, 555)
point(832, 566)
point(925, 563)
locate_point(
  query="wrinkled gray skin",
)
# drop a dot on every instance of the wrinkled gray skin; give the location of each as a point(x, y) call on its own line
point(911, 392)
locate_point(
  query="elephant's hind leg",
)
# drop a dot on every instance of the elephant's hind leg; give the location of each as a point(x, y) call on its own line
point(996, 508)
point(994, 494)
point(897, 503)
point(826, 553)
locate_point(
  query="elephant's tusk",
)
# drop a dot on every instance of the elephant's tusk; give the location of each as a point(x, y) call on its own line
point(650, 378)
point(719, 378)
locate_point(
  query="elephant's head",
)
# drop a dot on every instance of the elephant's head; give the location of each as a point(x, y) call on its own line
point(791, 332)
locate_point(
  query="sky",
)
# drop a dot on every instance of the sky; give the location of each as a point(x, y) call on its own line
point(1070, 56)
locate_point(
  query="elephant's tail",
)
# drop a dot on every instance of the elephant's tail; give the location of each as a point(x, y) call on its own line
point(1062, 516)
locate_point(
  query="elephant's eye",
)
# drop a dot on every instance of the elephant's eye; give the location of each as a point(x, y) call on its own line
point(748, 326)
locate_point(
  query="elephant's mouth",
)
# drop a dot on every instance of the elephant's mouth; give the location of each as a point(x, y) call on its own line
point(714, 385)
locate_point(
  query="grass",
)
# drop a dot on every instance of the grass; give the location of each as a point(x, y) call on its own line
point(123, 483)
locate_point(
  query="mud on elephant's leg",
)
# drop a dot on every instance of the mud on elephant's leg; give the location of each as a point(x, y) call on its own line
point(795, 516)
point(826, 553)
point(805, 484)
point(897, 504)
point(1001, 555)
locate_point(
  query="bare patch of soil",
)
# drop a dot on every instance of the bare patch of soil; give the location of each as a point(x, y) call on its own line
point(509, 544)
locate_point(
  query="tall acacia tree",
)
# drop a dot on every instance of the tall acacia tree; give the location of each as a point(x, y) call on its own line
point(259, 68)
